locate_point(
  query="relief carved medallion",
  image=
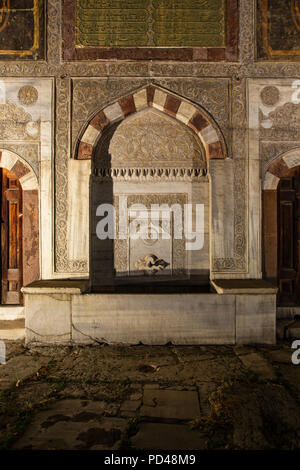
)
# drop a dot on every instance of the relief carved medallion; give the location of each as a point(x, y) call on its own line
point(28, 95)
point(270, 95)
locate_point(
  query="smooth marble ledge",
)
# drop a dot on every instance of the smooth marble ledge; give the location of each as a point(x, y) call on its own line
point(243, 286)
point(12, 312)
point(57, 286)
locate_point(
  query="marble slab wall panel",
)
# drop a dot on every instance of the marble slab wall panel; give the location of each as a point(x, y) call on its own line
point(78, 202)
point(222, 208)
point(274, 124)
point(26, 130)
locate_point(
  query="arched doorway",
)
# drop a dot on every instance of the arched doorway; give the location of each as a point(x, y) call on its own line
point(288, 200)
point(281, 215)
point(19, 229)
point(11, 238)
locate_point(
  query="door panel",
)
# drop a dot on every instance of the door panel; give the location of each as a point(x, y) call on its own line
point(11, 238)
point(289, 238)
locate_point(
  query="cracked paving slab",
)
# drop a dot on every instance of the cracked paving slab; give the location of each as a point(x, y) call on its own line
point(170, 404)
point(105, 397)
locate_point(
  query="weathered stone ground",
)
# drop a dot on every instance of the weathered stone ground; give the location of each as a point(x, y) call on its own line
point(142, 397)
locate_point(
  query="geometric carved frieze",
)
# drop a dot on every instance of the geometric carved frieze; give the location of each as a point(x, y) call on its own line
point(151, 174)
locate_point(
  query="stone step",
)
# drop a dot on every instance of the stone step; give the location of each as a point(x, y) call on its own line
point(12, 329)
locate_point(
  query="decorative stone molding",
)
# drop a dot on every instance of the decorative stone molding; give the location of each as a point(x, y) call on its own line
point(153, 96)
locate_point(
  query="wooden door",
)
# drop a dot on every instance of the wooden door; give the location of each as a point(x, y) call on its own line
point(11, 238)
point(289, 238)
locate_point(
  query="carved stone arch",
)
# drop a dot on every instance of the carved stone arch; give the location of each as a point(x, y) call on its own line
point(280, 165)
point(14, 163)
point(30, 232)
point(185, 111)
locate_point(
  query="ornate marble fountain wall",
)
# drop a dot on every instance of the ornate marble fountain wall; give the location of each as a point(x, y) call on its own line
point(230, 80)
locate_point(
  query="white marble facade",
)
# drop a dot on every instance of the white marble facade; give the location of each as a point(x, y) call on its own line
point(26, 135)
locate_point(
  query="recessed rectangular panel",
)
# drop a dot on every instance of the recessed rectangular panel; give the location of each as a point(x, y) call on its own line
point(22, 29)
point(188, 30)
point(150, 23)
point(278, 29)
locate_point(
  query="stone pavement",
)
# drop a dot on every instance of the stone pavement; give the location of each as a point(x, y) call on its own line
point(142, 397)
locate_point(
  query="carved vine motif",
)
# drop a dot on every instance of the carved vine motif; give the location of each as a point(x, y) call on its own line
point(284, 122)
point(213, 95)
point(150, 140)
point(16, 124)
point(239, 149)
point(90, 95)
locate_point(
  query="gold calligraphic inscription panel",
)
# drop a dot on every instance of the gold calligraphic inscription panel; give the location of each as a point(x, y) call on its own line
point(150, 23)
point(278, 29)
point(22, 29)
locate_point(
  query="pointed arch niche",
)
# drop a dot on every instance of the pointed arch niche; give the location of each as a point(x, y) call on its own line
point(154, 147)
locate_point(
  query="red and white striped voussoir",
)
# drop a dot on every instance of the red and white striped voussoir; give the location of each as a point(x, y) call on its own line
point(152, 96)
point(12, 162)
point(279, 167)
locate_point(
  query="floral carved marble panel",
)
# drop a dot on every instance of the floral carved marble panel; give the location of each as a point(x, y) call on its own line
point(150, 139)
